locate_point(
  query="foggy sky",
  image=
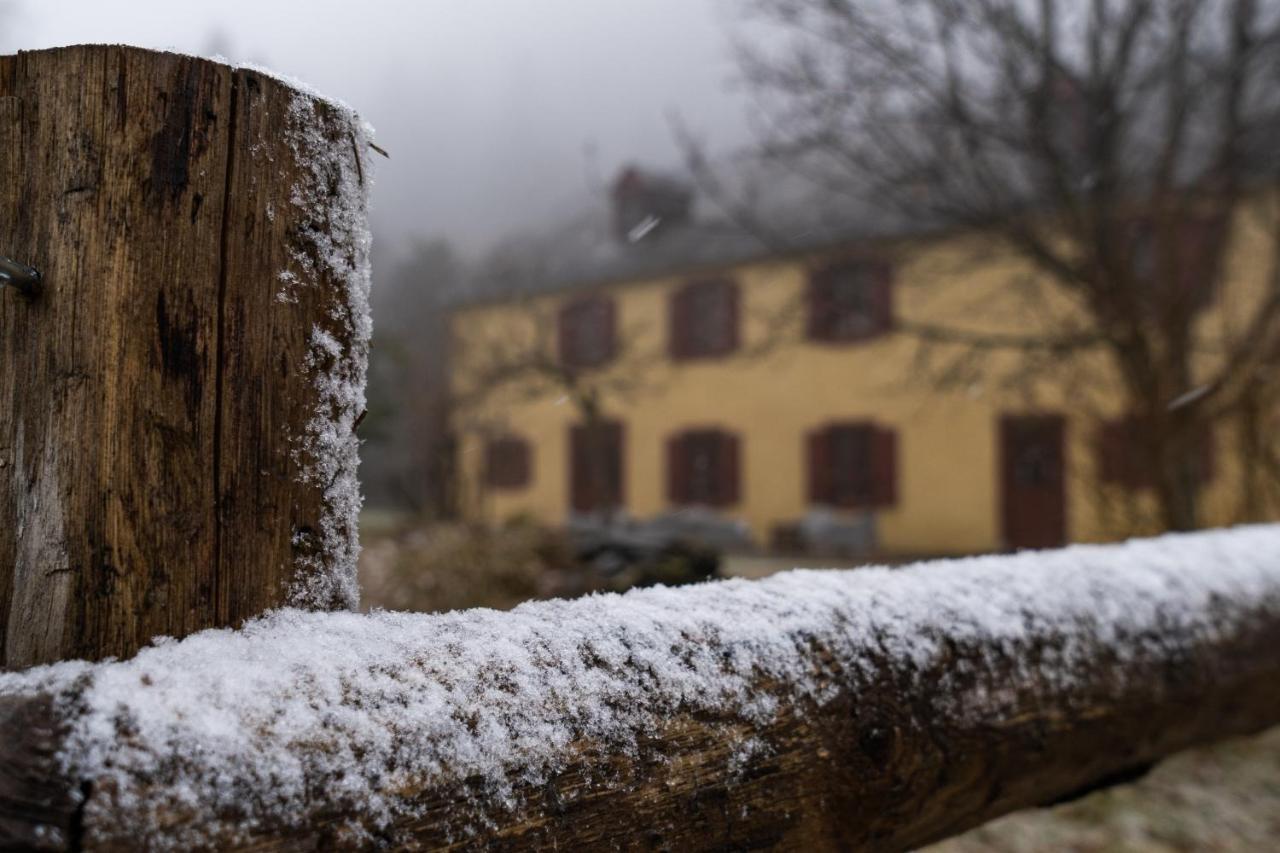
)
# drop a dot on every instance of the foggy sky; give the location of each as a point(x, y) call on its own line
point(488, 107)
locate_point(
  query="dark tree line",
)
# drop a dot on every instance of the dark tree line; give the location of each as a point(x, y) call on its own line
point(408, 453)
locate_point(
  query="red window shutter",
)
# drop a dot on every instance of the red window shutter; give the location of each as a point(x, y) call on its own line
point(1199, 243)
point(884, 467)
point(492, 465)
point(729, 479)
point(679, 343)
point(884, 297)
point(734, 315)
point(579, 480)
point(566, 334)
point(819, 466)
point(704, 319)
point(831, 317)
point(524, 464)
point(820, 306)
point(610, 320)
point(588, 333)
point(1122, 458)
point(677, 471)
point(507, 463)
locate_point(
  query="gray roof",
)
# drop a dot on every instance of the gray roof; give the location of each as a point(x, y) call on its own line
point(748, 210)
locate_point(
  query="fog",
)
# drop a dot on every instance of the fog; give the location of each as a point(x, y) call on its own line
point(497, 113)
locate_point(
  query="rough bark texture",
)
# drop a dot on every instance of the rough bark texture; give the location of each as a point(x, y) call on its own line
point(149, 396)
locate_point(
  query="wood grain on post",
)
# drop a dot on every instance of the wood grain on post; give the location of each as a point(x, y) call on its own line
point(167, 457)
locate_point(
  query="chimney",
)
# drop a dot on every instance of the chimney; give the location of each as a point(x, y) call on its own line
point(646, 204)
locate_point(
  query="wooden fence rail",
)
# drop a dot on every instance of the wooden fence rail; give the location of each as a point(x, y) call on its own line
point(177, 402)
point(875, 709)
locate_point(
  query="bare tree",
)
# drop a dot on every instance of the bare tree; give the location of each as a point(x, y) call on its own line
point(1112, 145)
point(525, 360)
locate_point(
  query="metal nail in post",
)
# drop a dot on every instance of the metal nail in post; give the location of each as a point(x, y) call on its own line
point(26, 279)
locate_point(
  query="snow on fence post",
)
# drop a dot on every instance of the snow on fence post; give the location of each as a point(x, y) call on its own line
point(178, 402)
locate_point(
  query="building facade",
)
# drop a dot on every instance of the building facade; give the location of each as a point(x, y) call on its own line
point(777, 388)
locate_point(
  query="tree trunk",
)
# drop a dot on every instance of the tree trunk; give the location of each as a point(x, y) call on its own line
point(171, 446)
point(1169, 444)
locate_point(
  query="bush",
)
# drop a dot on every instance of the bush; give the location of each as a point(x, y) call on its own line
point(451, 566)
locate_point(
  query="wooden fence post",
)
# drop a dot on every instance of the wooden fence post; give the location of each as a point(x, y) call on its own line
point(177, 404)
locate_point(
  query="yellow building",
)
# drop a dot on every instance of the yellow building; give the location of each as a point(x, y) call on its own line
point(782, 387)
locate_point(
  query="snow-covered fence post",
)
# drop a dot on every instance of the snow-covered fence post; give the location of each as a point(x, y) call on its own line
point(178, 403)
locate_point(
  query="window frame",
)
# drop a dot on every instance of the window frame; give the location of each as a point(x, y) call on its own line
point(726, 481)
point(512, 472)
point(882, 463)
point(826, 325)
point(1193, 277)
point(1119, 461)
point(684, 344)
point(575, 315)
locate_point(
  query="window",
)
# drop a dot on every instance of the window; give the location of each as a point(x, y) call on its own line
point(703, 468)
point(587, 332)
point(704, 319)
point(1124, 458)
point(507, 463)
point(595, 467)
point(1142, 253)
point(851, 301)
point(853, 465)
point(1183, 274)
point(1069, 118)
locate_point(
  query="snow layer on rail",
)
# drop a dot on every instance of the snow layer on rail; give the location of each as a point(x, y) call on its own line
point(302, 712)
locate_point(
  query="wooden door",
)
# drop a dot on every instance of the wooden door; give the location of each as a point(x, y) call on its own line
point(595, 467)
point(1032, 486)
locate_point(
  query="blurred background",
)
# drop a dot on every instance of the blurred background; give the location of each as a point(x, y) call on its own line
point(500, 117)
point(498, 114)
point(673, 290)
point(679, 289)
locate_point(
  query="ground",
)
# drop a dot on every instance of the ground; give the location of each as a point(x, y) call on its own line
point(1224, 797)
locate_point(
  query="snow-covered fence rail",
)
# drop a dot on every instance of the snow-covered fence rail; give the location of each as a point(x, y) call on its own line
point(812, 710)
point(177, 402)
